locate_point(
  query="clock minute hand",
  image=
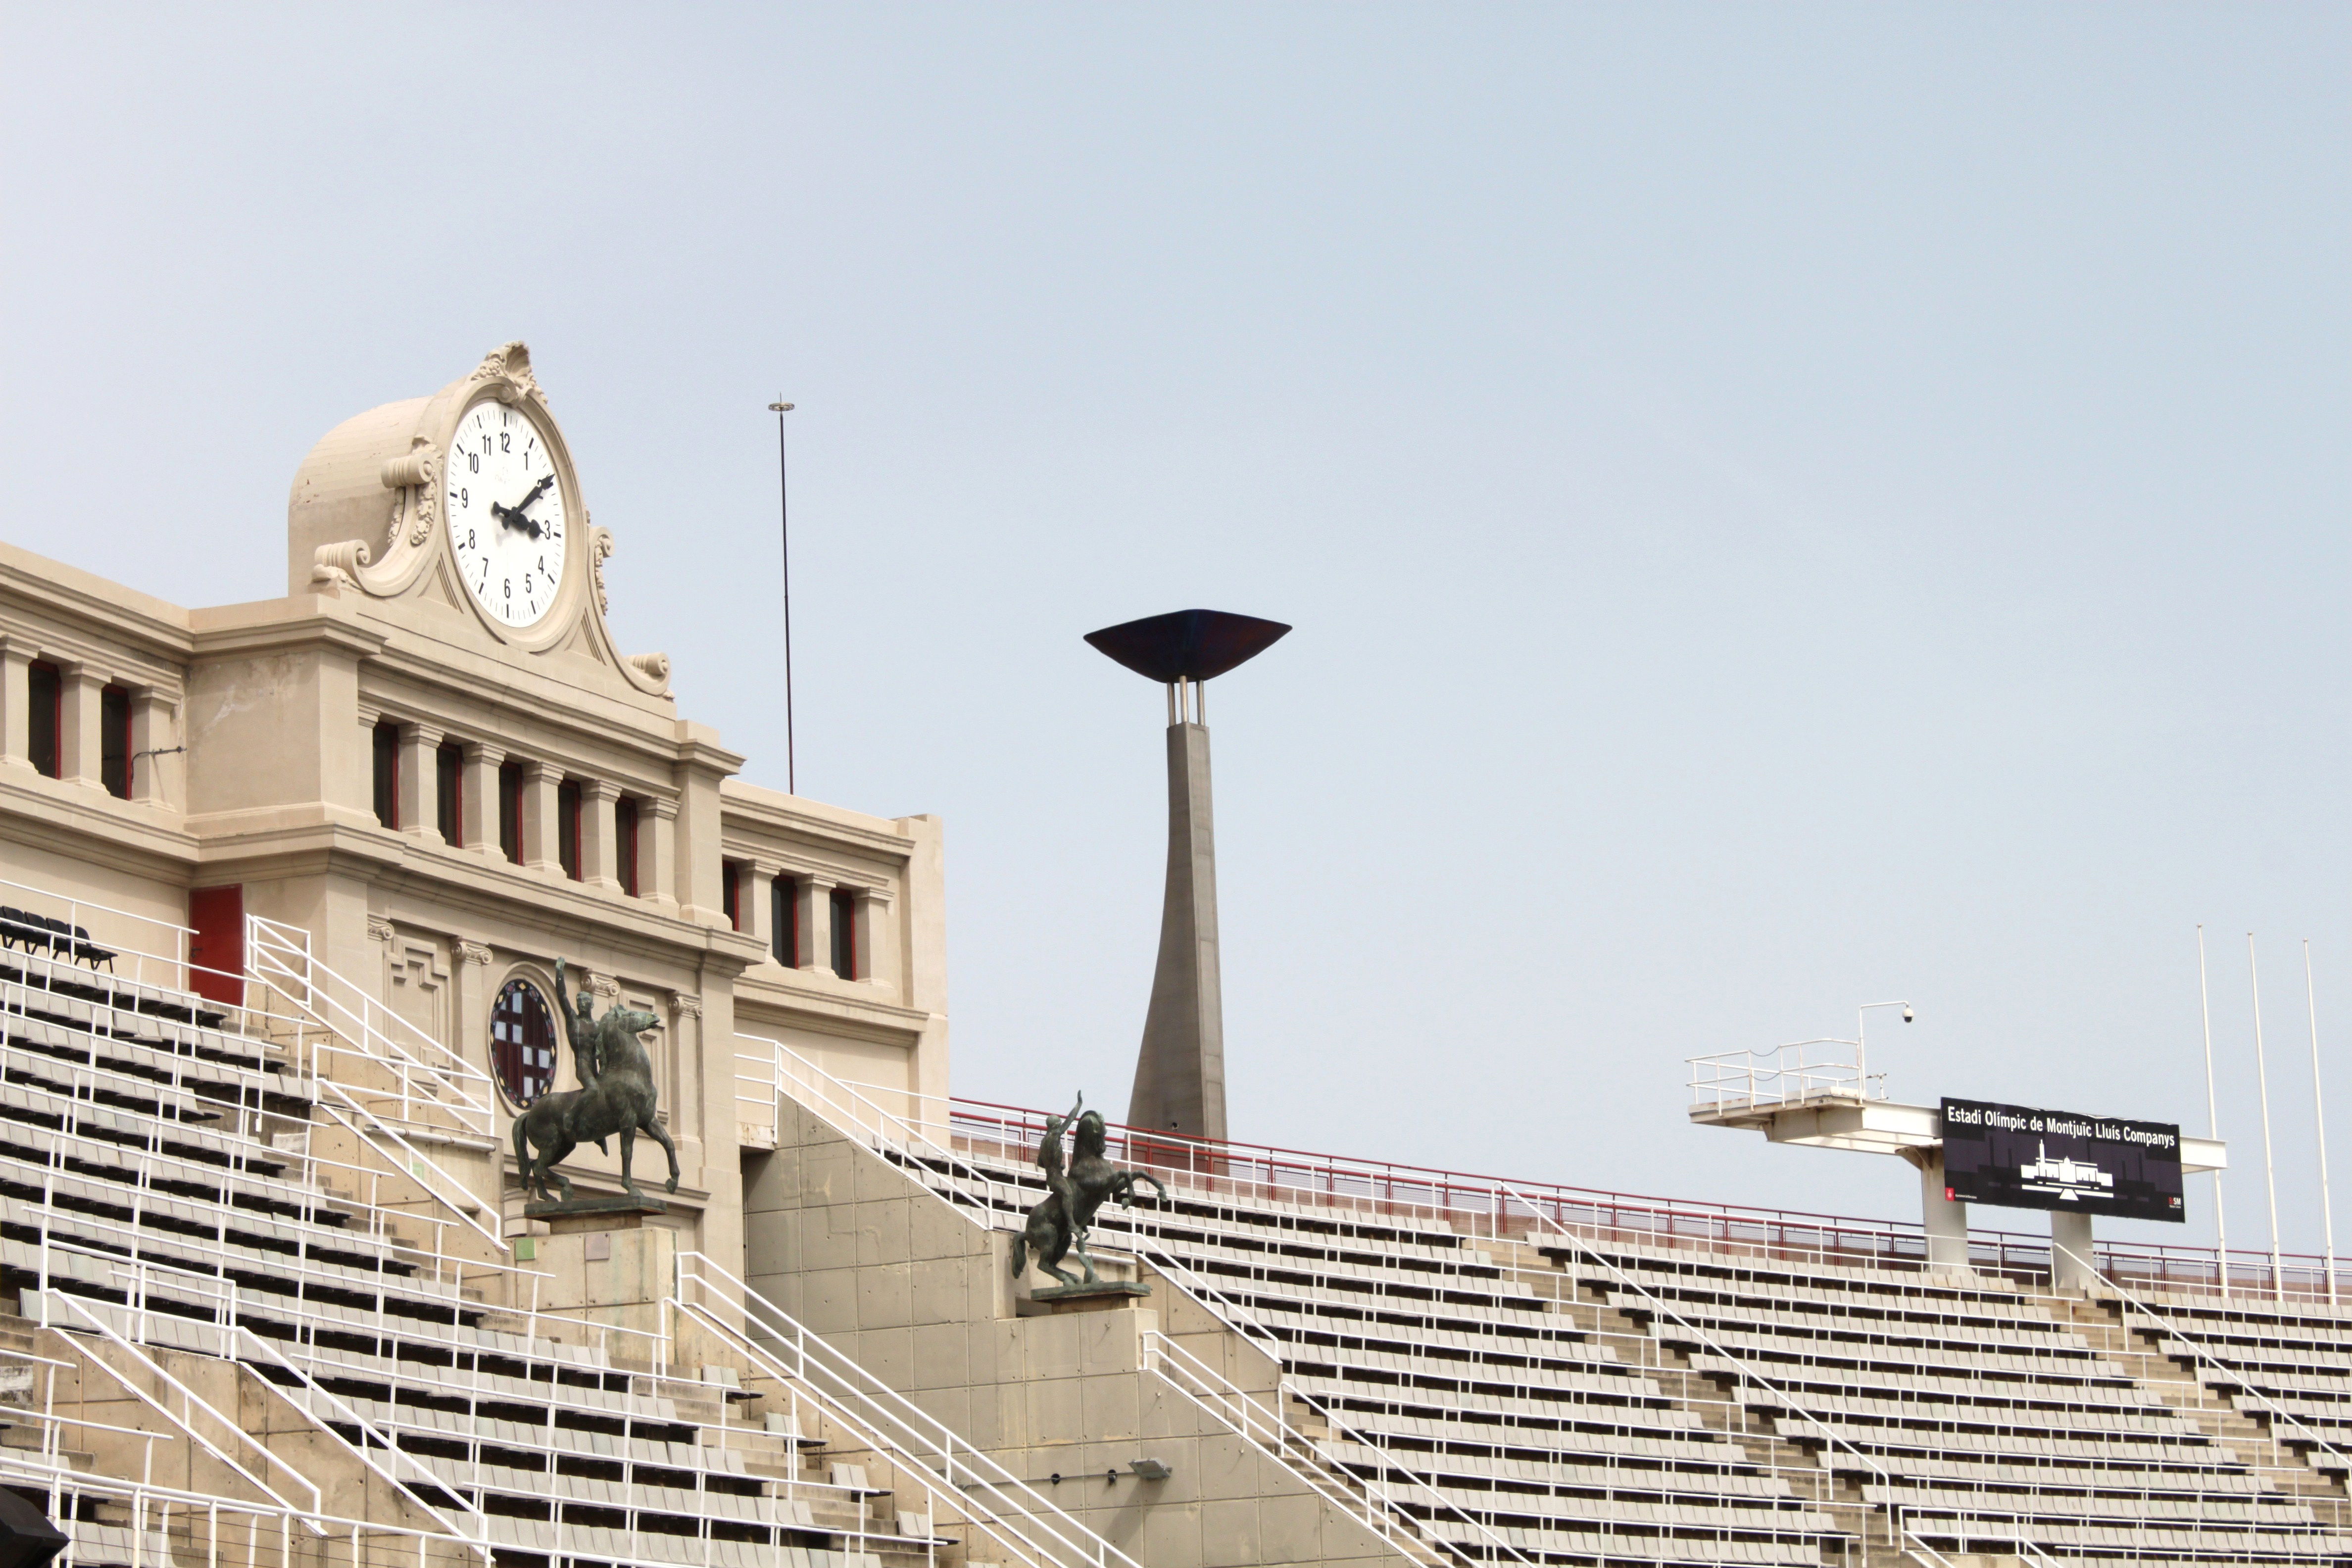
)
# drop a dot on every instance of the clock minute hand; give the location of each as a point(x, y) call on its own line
point(536, 491)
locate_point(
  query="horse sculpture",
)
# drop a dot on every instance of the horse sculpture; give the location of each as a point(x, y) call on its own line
point(1058, 1223)
point(1047, 1232)
point(616, 1094)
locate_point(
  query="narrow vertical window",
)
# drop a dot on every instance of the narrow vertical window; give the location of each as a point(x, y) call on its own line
point(510, 811)
point(114, 741)
point(449, 792)
point(45, 711)
point(625, 844)
point(731, 892)
point(387, 773)
point(845, 934)
point(567, 827)
point(784, 928)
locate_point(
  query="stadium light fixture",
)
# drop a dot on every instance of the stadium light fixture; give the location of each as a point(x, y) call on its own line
point(1861, 1041)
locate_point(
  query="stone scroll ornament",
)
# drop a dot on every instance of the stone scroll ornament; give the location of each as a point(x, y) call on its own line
point(616, 1094)
point(1058, 1222)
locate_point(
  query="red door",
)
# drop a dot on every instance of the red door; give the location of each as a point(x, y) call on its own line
point(217, 950)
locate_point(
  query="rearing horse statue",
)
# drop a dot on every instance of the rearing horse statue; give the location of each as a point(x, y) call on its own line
point(616, 1095)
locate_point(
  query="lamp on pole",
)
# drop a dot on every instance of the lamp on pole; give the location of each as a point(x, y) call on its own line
point(1861, 1041)
point(784, 518)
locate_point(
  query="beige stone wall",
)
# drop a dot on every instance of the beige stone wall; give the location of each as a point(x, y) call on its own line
point(923, 1299)
point(278, 702)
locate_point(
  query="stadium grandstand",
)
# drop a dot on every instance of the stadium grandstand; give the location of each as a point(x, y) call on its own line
point(293, 899)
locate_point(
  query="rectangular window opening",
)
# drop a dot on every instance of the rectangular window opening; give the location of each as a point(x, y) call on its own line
point(845, 934)
point(625, 844)
point(731, 894)
point(784, 928)
point(510, 811)
point(449, 792)
point(44, 689)
point(114, 741)
point(567, 827)
point(387, 773)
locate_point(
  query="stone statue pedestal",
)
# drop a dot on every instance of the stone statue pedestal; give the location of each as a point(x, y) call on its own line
point(1102, 1296)
point(574, 1216)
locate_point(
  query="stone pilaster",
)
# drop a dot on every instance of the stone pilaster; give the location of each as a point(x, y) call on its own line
point(154, 728)
point(478, 798)
point(79, 742)
point(540, 783)
point(599, 863)
point(418, 818)
point(15, 704)
point(657, 852)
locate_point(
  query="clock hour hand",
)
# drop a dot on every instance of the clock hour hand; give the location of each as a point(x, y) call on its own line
point(514, 517)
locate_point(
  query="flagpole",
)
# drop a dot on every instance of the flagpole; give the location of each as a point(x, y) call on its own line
point(785, 519)
point(2262, 1079)
point(2213, 1118)
point(2326, 1207)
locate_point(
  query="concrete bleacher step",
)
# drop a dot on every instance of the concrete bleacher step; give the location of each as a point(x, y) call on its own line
point(2175, 1382)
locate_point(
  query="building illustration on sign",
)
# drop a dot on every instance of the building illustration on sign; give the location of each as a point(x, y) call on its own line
point(2068, 1179)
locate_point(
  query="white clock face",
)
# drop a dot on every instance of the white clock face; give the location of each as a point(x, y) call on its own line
point(505, 508)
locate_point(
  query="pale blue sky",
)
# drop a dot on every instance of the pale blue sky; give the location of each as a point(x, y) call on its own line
point(1783, 506)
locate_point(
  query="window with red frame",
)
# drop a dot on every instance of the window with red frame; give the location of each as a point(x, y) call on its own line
point(45, 690)
point(114, 741)
point(567, 827)
point(625, 844)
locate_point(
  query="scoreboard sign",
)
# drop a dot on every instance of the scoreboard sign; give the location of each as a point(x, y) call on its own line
point(2022, 1159)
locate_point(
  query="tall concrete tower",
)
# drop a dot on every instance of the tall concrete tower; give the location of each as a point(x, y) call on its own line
point(1180, 1075)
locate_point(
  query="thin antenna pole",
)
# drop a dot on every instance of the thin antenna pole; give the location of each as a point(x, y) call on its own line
point(2212, 1117)
point(784, 518)
point(2326, 1207)
point(2263, 1078)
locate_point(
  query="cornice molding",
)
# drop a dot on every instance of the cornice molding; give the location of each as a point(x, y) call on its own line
point(297, 632)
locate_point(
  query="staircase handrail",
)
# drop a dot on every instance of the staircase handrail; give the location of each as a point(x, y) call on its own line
point(917, 1143)
point(879, 1408)
point(97, 1324)
point(480, 1539)
point(1284, 1387)
point(1231, 1406)
point(13, 1467)
point(418, 1163)
point(2171, 1333)
point(223, 1293)
point(268, 944)
point(1904, 1540)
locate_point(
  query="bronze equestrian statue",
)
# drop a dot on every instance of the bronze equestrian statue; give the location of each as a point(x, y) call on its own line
point(1058, 1223)
point(616, 1094)
point(1047, 1233)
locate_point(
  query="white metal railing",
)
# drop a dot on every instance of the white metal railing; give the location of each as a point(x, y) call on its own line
point(1905, 1541)
point(127, 938)
point(429, 1083)
point(63, 1311)
point(1805, 1483)
point(1232, 1407)
point(1792, 1073)
point(171, 1528)
point(954, 1475)
point(2206, 1365)
point(232, 1340)
point(981, 1195)
point(1360, 1496)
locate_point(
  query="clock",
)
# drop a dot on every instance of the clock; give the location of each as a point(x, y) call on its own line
point(506, 512)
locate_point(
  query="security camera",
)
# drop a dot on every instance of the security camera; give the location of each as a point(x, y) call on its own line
point(1906, 1012)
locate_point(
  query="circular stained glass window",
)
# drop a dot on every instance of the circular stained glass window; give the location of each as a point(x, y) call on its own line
point(522, 1042)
